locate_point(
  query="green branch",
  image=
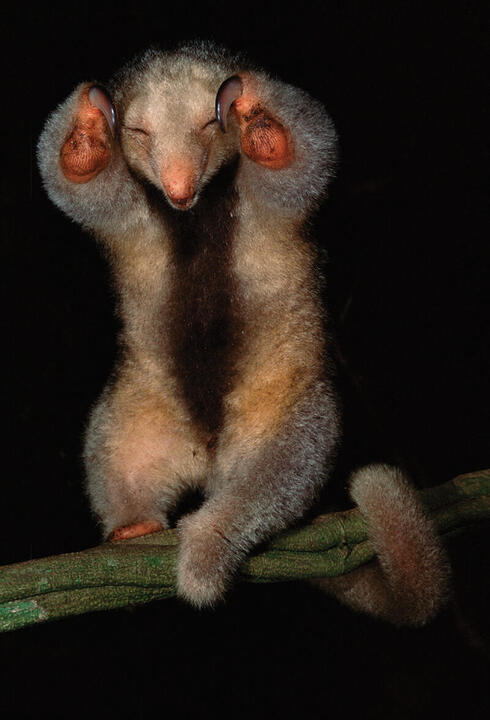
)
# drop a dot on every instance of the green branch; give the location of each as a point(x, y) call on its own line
point(133, 572)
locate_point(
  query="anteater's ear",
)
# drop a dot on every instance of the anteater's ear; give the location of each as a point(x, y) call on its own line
point(264, 139)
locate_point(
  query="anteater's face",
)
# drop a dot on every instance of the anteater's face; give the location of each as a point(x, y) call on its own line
point(170, 134)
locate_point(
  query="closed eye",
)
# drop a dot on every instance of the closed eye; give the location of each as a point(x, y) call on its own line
point(138, 135)
point(136, 130)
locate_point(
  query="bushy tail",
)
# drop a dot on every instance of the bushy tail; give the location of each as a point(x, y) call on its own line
point(409, 581)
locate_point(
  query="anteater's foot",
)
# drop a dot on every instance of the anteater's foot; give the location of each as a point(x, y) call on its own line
point(131, 531)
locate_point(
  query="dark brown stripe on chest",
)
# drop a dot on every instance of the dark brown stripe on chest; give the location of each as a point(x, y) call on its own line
point(203, 326)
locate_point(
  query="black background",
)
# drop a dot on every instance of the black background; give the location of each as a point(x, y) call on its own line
point(407, 285)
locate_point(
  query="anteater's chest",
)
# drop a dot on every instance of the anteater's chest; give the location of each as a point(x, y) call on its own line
point(203, 314)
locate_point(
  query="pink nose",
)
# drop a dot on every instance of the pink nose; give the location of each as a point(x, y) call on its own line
point(179, 184)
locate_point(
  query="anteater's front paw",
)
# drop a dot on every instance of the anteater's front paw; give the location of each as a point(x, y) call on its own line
point(206, 560)
point(87, 148)
point(264, 139)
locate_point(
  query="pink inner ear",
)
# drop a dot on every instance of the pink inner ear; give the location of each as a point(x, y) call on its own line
point(263, 138)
